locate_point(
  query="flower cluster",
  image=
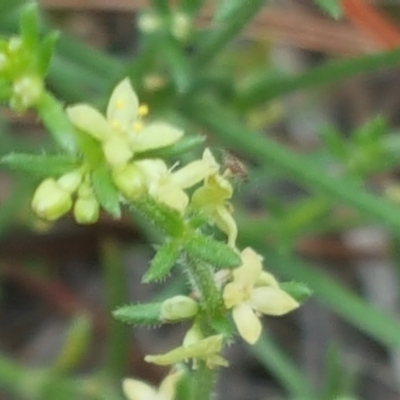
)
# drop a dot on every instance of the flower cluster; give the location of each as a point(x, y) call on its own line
point(123, 138)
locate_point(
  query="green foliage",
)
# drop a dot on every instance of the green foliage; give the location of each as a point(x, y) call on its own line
point(40, 165)
point(331, 7)
point(209, 250)
point(201, 91)
point(162, 263)
point(105, 190)
point(139, 314)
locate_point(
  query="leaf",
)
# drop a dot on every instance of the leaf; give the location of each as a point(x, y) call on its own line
point(40, 165)
point(226, 9)
point(45, 52)
point(299, 291)
point(164, 218)
point(334, 142)
point(177, 64)
point(211, 251)
point(262, 90)
point(29, 27)
point(76, 343)
point(56, 121)
point(182, 147)
point(331, 7)
point(162, 262)
point(139, 314)
point(106, 192)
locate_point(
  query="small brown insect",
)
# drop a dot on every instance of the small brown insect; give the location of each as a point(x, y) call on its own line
point(235, 166)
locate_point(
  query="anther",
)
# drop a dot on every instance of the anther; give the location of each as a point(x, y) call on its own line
point(143, 110)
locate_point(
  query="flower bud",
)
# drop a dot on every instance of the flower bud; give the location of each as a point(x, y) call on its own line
point(50, 201)
point(70, 181)
point(86, 210)
point(178, 307)
point(130, 181)
point(26, 92)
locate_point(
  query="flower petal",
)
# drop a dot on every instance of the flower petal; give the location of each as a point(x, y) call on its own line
point(248, 273)
point(116, 150)
point(123, 106)
point(247, 323)
point(152, 169)
point(226, 223)
point(272, 301)
point(233, 295)
point(138, 390)
point(154, 136)
point(168, 386)
point(266, 279)
point(171, 195)
point(89, 120)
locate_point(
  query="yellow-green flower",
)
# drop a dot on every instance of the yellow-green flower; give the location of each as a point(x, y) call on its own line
point(122, 132)
point(50, 200)
point(167, 186)
point(252, 292)
point(205, 349)
point(212, 199)
point(135, 389)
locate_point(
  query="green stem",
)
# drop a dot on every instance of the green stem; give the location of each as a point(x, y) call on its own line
point(116, 359)
point(277, 362)
point(202, 278)
point(214, 43)
point(203, 379)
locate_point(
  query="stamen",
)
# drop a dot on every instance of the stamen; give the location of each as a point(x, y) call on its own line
point(143, 110)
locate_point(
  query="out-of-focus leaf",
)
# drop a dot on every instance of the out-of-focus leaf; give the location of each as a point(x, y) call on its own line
point(40, 165)
point(226, 9)
point(106, 192)
point(139, 314)
point(332, 7)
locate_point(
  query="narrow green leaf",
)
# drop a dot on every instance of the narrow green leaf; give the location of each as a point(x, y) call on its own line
point(262, 90)
point(75, 345)
point(371, 131)
point(299, 291)
point(332, 7)
point(45, 52)
point(214, 42)
point(40, 165)
point(29, 27)
point(56, 121)
point(139, 314)
point(184, 146)
point(162, 262)
point(334, 142)
point(211, 251)
point(283, 368)
point(177, 63)
point(106, 192)
point(226, 9)
point(164, 218)
point(355, 310)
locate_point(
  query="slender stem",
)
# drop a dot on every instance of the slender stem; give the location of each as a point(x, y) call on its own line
point(203, 379)
point(116, 359)
point(218, 38)
point(201, 277)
